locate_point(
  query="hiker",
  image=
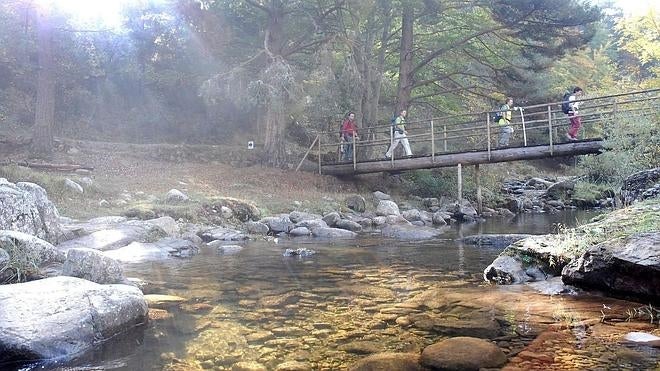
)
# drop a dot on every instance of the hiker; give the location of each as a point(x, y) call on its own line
point(399, 135)
point(570, 108)
point(348, 131)
point(504, 122)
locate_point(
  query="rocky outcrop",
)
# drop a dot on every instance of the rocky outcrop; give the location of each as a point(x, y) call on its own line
point(25, 207)
point(64, 316)
point(640, 186)
point(629, 266)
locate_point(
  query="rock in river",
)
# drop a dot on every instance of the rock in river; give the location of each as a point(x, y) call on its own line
point(64, 316)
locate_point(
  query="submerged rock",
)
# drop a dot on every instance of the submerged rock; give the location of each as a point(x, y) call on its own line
point(389, 362)
point(299, 252)
point(463, 353)
point(64, 316)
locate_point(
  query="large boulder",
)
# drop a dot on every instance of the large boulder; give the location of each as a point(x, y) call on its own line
point(628, 266)
point(241, 210)
point(28, 253)
point(463, 354)
point(349, 225)
point(174, 196)
point(256, 227)
point(311, 224)
point(463, 210)
point(222, 234)
point(92, 265)
point(356, 203)
point(299, 216)
point(506, 270)
point(642, 185)
point(412, 215)
point(561, 190)
point(332, 218)
point(378, 195)
point(278, 224)
point(386, 207)
point(112, 236)
point(64, 316)
point(25, 207)
point(333, 233)
point(410, 232)
point(164, 248)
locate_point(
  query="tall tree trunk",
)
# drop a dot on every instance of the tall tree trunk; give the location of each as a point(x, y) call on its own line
point(406, 80)
point(42, 138)
point(376, 82)
point(275, 120)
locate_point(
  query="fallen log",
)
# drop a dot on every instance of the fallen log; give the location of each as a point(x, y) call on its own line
point(52, 167)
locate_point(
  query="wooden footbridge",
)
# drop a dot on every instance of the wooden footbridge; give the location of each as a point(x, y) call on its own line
point(470, 138)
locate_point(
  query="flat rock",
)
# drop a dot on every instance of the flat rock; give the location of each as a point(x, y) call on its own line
point(493, 240)
point(333, 233)
point(64, 316)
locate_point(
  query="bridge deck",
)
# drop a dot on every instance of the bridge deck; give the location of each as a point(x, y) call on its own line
point(582, 147)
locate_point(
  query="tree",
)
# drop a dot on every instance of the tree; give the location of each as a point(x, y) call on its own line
point(42, 140)
point(472, 47)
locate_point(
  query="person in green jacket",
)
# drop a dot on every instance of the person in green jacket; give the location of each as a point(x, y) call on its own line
point(399, 132)
point(505, 123)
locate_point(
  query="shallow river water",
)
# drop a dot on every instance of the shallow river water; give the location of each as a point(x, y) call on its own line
point(324, 312)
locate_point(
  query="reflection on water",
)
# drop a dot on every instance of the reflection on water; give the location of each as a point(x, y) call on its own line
point(356, 298)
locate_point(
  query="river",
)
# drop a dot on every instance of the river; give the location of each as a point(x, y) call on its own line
point(355, 298)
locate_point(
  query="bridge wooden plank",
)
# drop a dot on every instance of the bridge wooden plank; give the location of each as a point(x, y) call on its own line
point(469, 158)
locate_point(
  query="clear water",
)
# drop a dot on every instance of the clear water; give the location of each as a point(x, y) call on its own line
point(355, 298)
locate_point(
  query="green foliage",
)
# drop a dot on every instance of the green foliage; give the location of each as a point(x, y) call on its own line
point(428, 183)
point(591, 192)
point(632, 144)
point(639, 43)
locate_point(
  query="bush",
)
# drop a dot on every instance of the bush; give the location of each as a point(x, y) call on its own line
point(632, 144)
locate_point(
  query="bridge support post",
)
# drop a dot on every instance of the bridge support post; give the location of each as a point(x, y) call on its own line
point(550, 130)
point(460, 183)
point(477, 174)
point(488, 133)
point(432, 143)
point(319, 154)
point(354, 153)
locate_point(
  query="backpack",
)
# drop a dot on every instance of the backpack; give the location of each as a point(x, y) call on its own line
point(393, 123)
point(565, 103)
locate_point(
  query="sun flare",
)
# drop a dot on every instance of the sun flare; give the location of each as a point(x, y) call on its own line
point(99, 13)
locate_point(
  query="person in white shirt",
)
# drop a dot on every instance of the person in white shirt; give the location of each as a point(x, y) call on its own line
point(573, 116)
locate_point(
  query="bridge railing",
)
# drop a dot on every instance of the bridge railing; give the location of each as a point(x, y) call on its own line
point(542, 124)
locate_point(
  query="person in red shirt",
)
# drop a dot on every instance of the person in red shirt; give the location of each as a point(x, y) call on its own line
point(348, 131)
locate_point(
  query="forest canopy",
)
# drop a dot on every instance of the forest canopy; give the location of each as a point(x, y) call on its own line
point(228, 71)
